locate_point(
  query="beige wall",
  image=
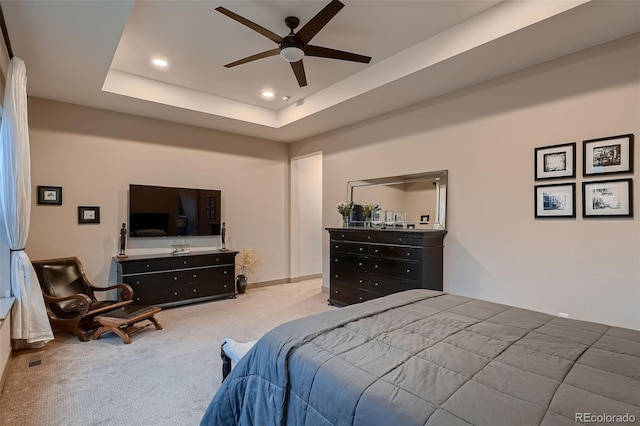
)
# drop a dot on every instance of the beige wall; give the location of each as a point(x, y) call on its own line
point(94, 155)
point(485, 136)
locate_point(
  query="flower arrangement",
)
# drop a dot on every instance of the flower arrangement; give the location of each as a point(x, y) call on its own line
point(344, 207)
point(246, 261)
point(368, 209)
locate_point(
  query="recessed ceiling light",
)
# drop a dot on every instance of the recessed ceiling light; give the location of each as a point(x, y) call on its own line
point(268, 94)
point(160, 62)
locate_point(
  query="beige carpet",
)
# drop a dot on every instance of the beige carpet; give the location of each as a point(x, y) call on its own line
point(164, 377)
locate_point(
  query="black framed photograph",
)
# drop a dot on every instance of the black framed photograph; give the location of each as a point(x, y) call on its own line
point(424, 219)
point(613, 154)
point(88, 214)
point(607, 198)
point(555, 161)
point(555, 201)
point(51, 195)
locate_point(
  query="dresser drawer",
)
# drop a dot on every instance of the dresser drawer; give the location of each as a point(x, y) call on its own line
point(349, 263)
point(349, 247)
point(349, 235)
point(174, 263)
point(347, 293)
point(397, 238)
point(396, 268)
point(381, 286)
point(396, 252)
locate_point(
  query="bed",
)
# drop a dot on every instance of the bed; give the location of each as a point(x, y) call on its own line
point(424, 357)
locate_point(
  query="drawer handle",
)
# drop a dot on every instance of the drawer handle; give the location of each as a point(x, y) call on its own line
point(359, 263)
point(225, 286)
point(360, 281)
point(137, 282)
point(369, 237)
point(361, 248)
point(147, 265)
point(176, 293)
point(336, 292)
point(195, 276)
point(399, 239)
point(376, 284)
point(337, 246)
point(408, 270)
point(175, 278)
point(184, 262)
point(376, 266)
point(335, 260)
point(376, 250)
point(195, 291)
point(225, 272)
point(360, 297)
point(408, 254)
point(137, 299)
point(336, 275)
point(342, 235)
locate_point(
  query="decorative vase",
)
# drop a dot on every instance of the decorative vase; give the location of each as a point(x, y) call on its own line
point(345, 221)
point(241, 283)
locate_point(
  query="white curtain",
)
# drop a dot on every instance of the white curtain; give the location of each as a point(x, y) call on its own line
point(29, 320)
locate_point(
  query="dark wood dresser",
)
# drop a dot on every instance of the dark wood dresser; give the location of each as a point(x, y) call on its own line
point(370, 263)
point(169, 280)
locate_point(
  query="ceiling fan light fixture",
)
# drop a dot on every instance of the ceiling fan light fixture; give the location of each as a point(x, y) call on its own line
point(292, 54)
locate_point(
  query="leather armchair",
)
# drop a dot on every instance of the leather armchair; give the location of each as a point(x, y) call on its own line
point(69, 296)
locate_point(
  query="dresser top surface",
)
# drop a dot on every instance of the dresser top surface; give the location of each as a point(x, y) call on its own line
point(388, 230)
point(172, 256)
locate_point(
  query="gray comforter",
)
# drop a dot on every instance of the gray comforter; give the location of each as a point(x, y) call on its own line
point(429, 358)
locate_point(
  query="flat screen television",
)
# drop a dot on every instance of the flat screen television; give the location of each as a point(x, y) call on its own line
point(160, 211)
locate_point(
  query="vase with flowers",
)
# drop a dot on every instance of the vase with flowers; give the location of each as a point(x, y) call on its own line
point(246, 261)
point(367, 212)
point(344, 208)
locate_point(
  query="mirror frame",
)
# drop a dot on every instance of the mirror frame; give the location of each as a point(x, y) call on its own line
point(439, 177)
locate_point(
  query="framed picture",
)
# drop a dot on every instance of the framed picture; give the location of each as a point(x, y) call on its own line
point(51, 195)
point(424, 219)
point(88, 214)
point(555, 201)
point(608, 155)
point(555, 161)
point(607, 198)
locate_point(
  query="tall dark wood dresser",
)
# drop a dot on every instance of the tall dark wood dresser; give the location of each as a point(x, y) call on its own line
point(367, 262)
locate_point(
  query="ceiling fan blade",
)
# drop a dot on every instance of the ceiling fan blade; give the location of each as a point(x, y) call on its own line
point(266, 54)
point(325, 52)
point(318, 22)
point(244, 21)
point(298, 70)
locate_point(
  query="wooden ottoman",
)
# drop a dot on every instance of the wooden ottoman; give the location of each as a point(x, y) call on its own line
point(121, 321)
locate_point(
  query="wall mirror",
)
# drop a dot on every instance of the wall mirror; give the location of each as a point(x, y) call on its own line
point(417, 201)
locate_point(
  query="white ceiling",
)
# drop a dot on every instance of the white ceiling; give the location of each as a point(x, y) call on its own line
point(98, 53)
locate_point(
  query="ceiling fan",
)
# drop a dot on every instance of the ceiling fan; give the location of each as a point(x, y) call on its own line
point(294, 46)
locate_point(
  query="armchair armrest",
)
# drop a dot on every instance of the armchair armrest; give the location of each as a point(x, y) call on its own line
point(126, 292)
point(84, 301)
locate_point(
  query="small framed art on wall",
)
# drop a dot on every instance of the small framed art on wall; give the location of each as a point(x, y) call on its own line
point(613, 154)
point(88, 214)
point(555, 161)
point(607, 198)
point(555, 201)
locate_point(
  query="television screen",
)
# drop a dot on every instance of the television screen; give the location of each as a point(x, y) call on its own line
point(159, 211)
